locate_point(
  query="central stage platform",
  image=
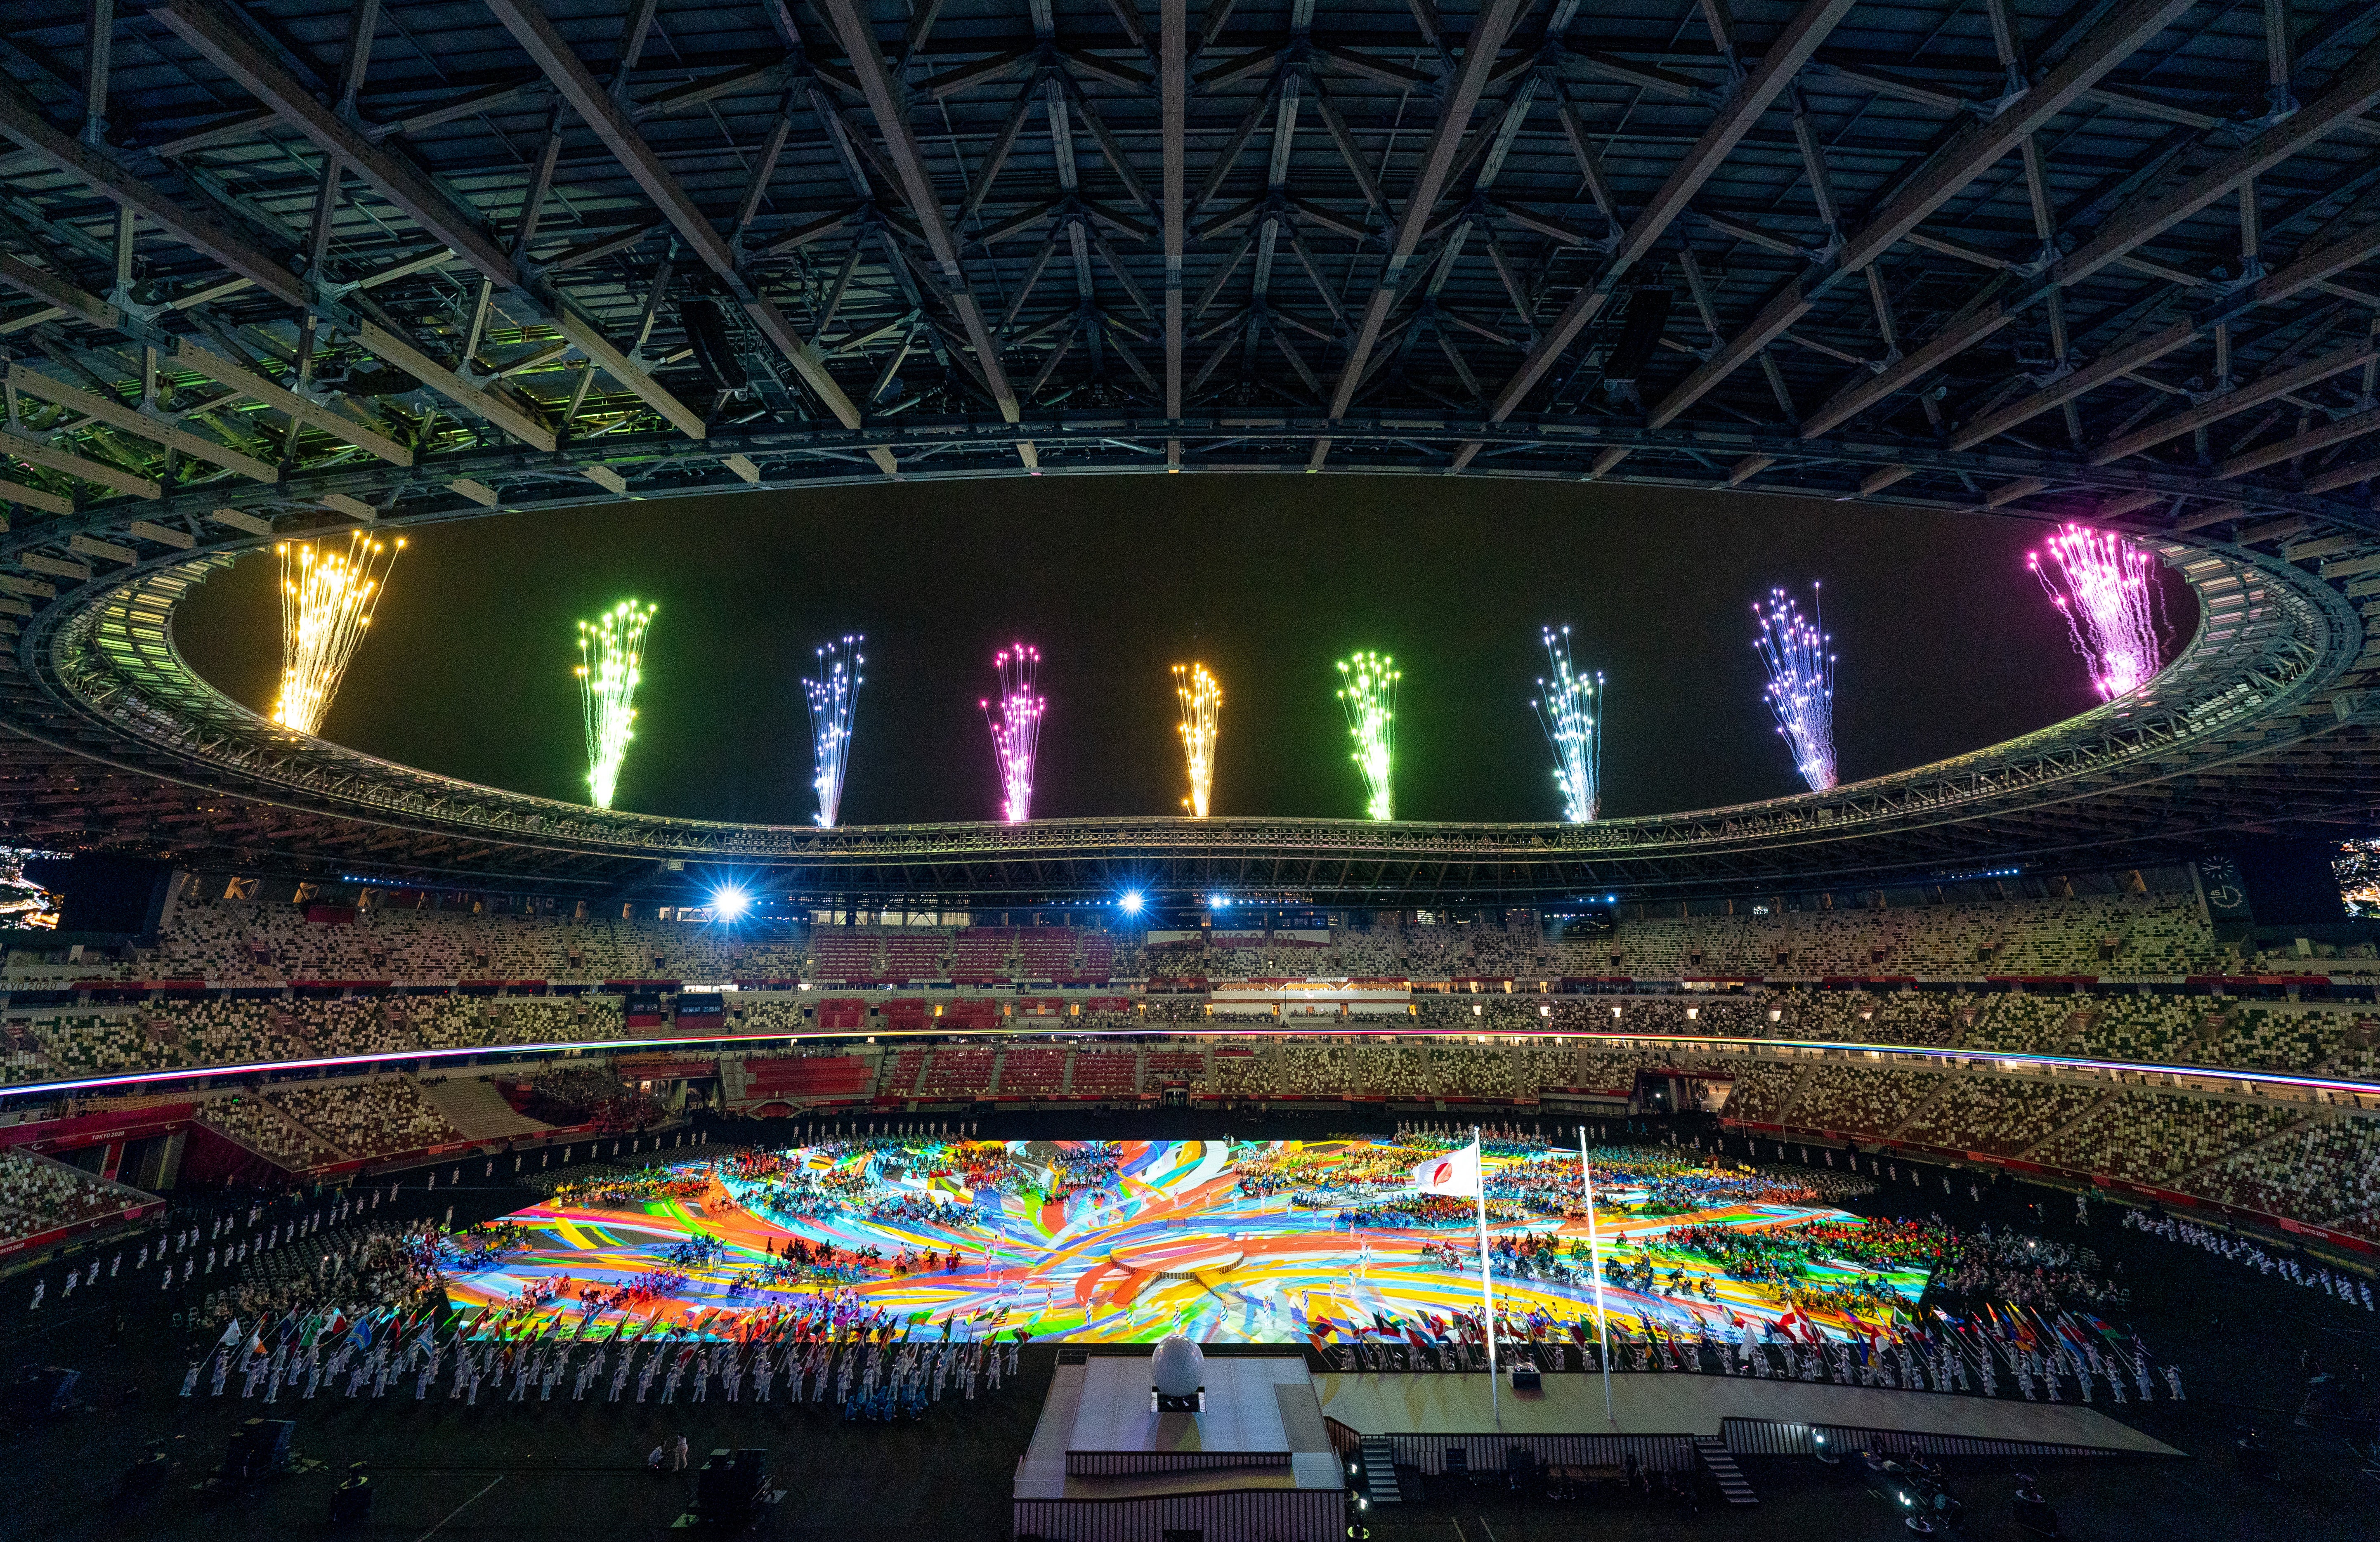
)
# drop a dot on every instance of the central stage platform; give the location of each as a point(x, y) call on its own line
point(1657, 1418)
point(1254, 1465)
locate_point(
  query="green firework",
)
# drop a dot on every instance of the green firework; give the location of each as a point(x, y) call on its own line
point(1367, 689)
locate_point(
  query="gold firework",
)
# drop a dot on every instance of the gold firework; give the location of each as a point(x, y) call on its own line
point(1202, 704)
point(327, 598)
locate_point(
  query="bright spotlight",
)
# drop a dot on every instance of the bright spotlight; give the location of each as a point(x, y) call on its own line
point(731, 903)
point(1131, 901)
point(1219, 901)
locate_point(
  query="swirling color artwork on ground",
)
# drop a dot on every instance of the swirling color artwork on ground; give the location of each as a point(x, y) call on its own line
point(1226, 1241)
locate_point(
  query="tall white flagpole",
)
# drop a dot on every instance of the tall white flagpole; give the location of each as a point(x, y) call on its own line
point(1487, 1294)
point(1595, 1268)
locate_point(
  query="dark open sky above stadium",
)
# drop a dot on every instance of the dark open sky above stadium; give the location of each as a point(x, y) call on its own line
point(1946, 642)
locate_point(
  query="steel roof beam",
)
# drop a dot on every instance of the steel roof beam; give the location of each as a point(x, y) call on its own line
point(2357, 87)
point(1972, 151)
point(1437, 160)
point(2280, 383)
point(224, 43)
point(115, 478)
point(858, 38)
point(191, 225)
point(2350, 428)
point(2315, 264)
point(601, 112)
point(1172, 107)
point(128, 420)
point(235, 251)
point(1760, 89)
point(246, 381)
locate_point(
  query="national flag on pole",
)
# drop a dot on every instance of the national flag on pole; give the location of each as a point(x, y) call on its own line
point(1456, 1173)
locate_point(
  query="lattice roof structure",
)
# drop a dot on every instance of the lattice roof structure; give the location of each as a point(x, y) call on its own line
point(2109, 243)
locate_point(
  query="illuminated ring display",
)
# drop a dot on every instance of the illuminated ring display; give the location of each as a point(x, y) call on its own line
point(2334, 1087)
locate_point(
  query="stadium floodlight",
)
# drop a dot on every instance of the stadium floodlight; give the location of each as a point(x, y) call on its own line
point(1368, 691)
point(1570, 708)
point(833, 696)
point(1219, 901)
point(2105, 588)
point(1131, 901)
point(1015, 728)
point(327, 599)
point(1801, 690)
point(611, 653)
point(731, 903)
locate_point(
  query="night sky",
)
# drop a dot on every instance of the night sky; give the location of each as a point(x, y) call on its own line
point(1946, 642)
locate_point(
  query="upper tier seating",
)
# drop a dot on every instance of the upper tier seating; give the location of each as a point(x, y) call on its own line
point(2328, 1172)
point(375, 1119)
point(1033, 1071)
point(477, 1111)
point(1046, 952)
point(2131, 936)
point(899, 1076)
point(958, 1070)
point(1104, 1072)
point(2150, 1137)
point(981, 953)
point(846, 958)
point(1997, 1115)
point(261, 1124)
point(915, 957)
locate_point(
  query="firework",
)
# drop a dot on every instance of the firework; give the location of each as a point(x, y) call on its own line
point(1015, 728)
point(1569, 706)
point(2103, 585)
point(1202, 704)
point(1367, 689)
point(1801, 683)
point(610, 649)
point(327, 599)
point(834, 696)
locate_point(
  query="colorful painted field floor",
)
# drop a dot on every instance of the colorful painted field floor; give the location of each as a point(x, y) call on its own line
point(1228, 1242)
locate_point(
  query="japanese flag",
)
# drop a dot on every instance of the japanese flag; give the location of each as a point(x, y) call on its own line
point(1457, 1173)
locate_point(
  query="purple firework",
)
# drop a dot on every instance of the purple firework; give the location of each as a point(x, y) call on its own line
point(1801, 683)
point(1016, 726)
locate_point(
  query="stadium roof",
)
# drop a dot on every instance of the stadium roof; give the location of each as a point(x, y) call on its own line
point(284, 268)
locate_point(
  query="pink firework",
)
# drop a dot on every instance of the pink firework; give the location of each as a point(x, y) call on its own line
point(2105, 588)
point(1015, 728)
